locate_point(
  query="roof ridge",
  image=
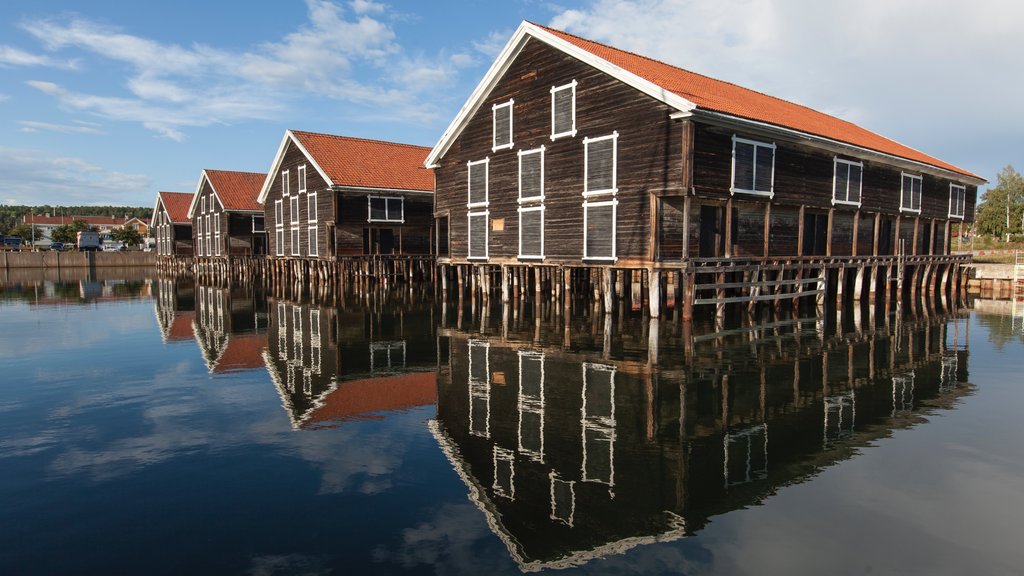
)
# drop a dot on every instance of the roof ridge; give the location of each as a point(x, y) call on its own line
point(359, 138)
point(233, 171)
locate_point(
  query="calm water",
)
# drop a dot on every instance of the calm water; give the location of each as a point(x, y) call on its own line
point(159, 427)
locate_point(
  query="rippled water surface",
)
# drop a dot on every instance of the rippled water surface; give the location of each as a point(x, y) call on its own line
point(161, 427)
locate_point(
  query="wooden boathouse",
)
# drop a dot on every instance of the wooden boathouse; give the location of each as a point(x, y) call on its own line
point(226, 219)
point(576, 164)
point(171, 225)
point(338, 206)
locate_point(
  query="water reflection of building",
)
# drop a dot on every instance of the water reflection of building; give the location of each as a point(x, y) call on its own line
point(571, 455)
point(230, 327)
point(330, 364)
point(175, 308)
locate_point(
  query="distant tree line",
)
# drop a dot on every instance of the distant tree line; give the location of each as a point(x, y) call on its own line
point(10, 216)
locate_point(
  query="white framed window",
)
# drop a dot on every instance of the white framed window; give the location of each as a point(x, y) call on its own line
point(531, 175)
point(216, 232)
point(478, 234)
point(295, 241)
point(311, 207)
point(599, 223)
point(385, 209)
point(753, 167)
point(477, 182)
point(957, 200)
point(910, 193)
point(285, 188)
point(531, 231)
point(314, 249)
point(600, 159)
point(846, 182)
point(302, 179)
point(209, 237)
point(563, 110)
point(294, 208)
point(279, 227)
point(502, 120)
point(204, 205)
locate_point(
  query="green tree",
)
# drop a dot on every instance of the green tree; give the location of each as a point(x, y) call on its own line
point(1002, 204)
point(64, 233)
point(25, 232)
point(81, 225)
point(127, 236)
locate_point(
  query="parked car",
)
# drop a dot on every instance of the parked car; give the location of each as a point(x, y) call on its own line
point(57, 246)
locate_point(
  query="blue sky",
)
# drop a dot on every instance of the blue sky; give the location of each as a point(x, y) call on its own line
point(109, 101)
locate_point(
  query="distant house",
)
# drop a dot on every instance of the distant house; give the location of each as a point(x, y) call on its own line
point(172, 228)
point(328, 196)
point(570, 152)
point(226, 218)
point(45, 223)
point(140, 225)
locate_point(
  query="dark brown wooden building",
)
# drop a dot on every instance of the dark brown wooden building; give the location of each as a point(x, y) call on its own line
point(170, 224)
point(226, 218)
point(571, 153)
point(329, 196)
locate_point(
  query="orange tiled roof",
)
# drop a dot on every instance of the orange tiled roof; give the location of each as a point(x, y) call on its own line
point(177, 204)
point(365, 163)
point(727, 98)
point(237, 190)
point(362, 398)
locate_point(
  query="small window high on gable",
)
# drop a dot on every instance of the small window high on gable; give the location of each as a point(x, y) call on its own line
point(957, 200)
point(502, 114)
point(753, 167)
point(563, 110)
point(846, 184)
point(478, 182)
point(910, 193)
point(302, 179)
point(284, 183)
point(600, 156)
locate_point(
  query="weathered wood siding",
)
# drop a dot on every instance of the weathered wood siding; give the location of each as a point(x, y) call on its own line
point(315, 183)
point(649, 159)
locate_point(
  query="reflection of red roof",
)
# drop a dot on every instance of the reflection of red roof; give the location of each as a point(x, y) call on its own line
point(361, 399)
point(244, 352)
point(181, 327)
point(368, 163)
point(716, 95)
point(177, 204)
point(237, 190)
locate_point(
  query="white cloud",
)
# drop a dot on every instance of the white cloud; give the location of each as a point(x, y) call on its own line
point(77, 127)
point(4, 97)
point(10, 56)
point(342, 54)
point(935, 75)
point(27, 175)
point(495, 41)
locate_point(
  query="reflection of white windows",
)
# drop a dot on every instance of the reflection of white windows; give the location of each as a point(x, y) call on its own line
point(600, 170)
point(282, 331)
point(479, 388)
point(746, 455)
point(957, 200)
point(502, 114)
point(753, 167)
point(903, 393)
point(599, 234)
point(504, 473)
point(598, 419)
point(530, 404)
point(385, 209)
point(387, 356)
point(846, 182)
point(910, 193)
point(302, 179)
point(314, 340)
point(563, 110)
point(947, 380)
point(279, 227)
point(840, 417)
point(563, 499)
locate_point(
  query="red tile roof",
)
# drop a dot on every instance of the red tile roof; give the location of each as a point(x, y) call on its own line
point(69, 218)
point(177, 204)
point(727, 98)
point(361, 399)
point(237, 190)
point(368, 163)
